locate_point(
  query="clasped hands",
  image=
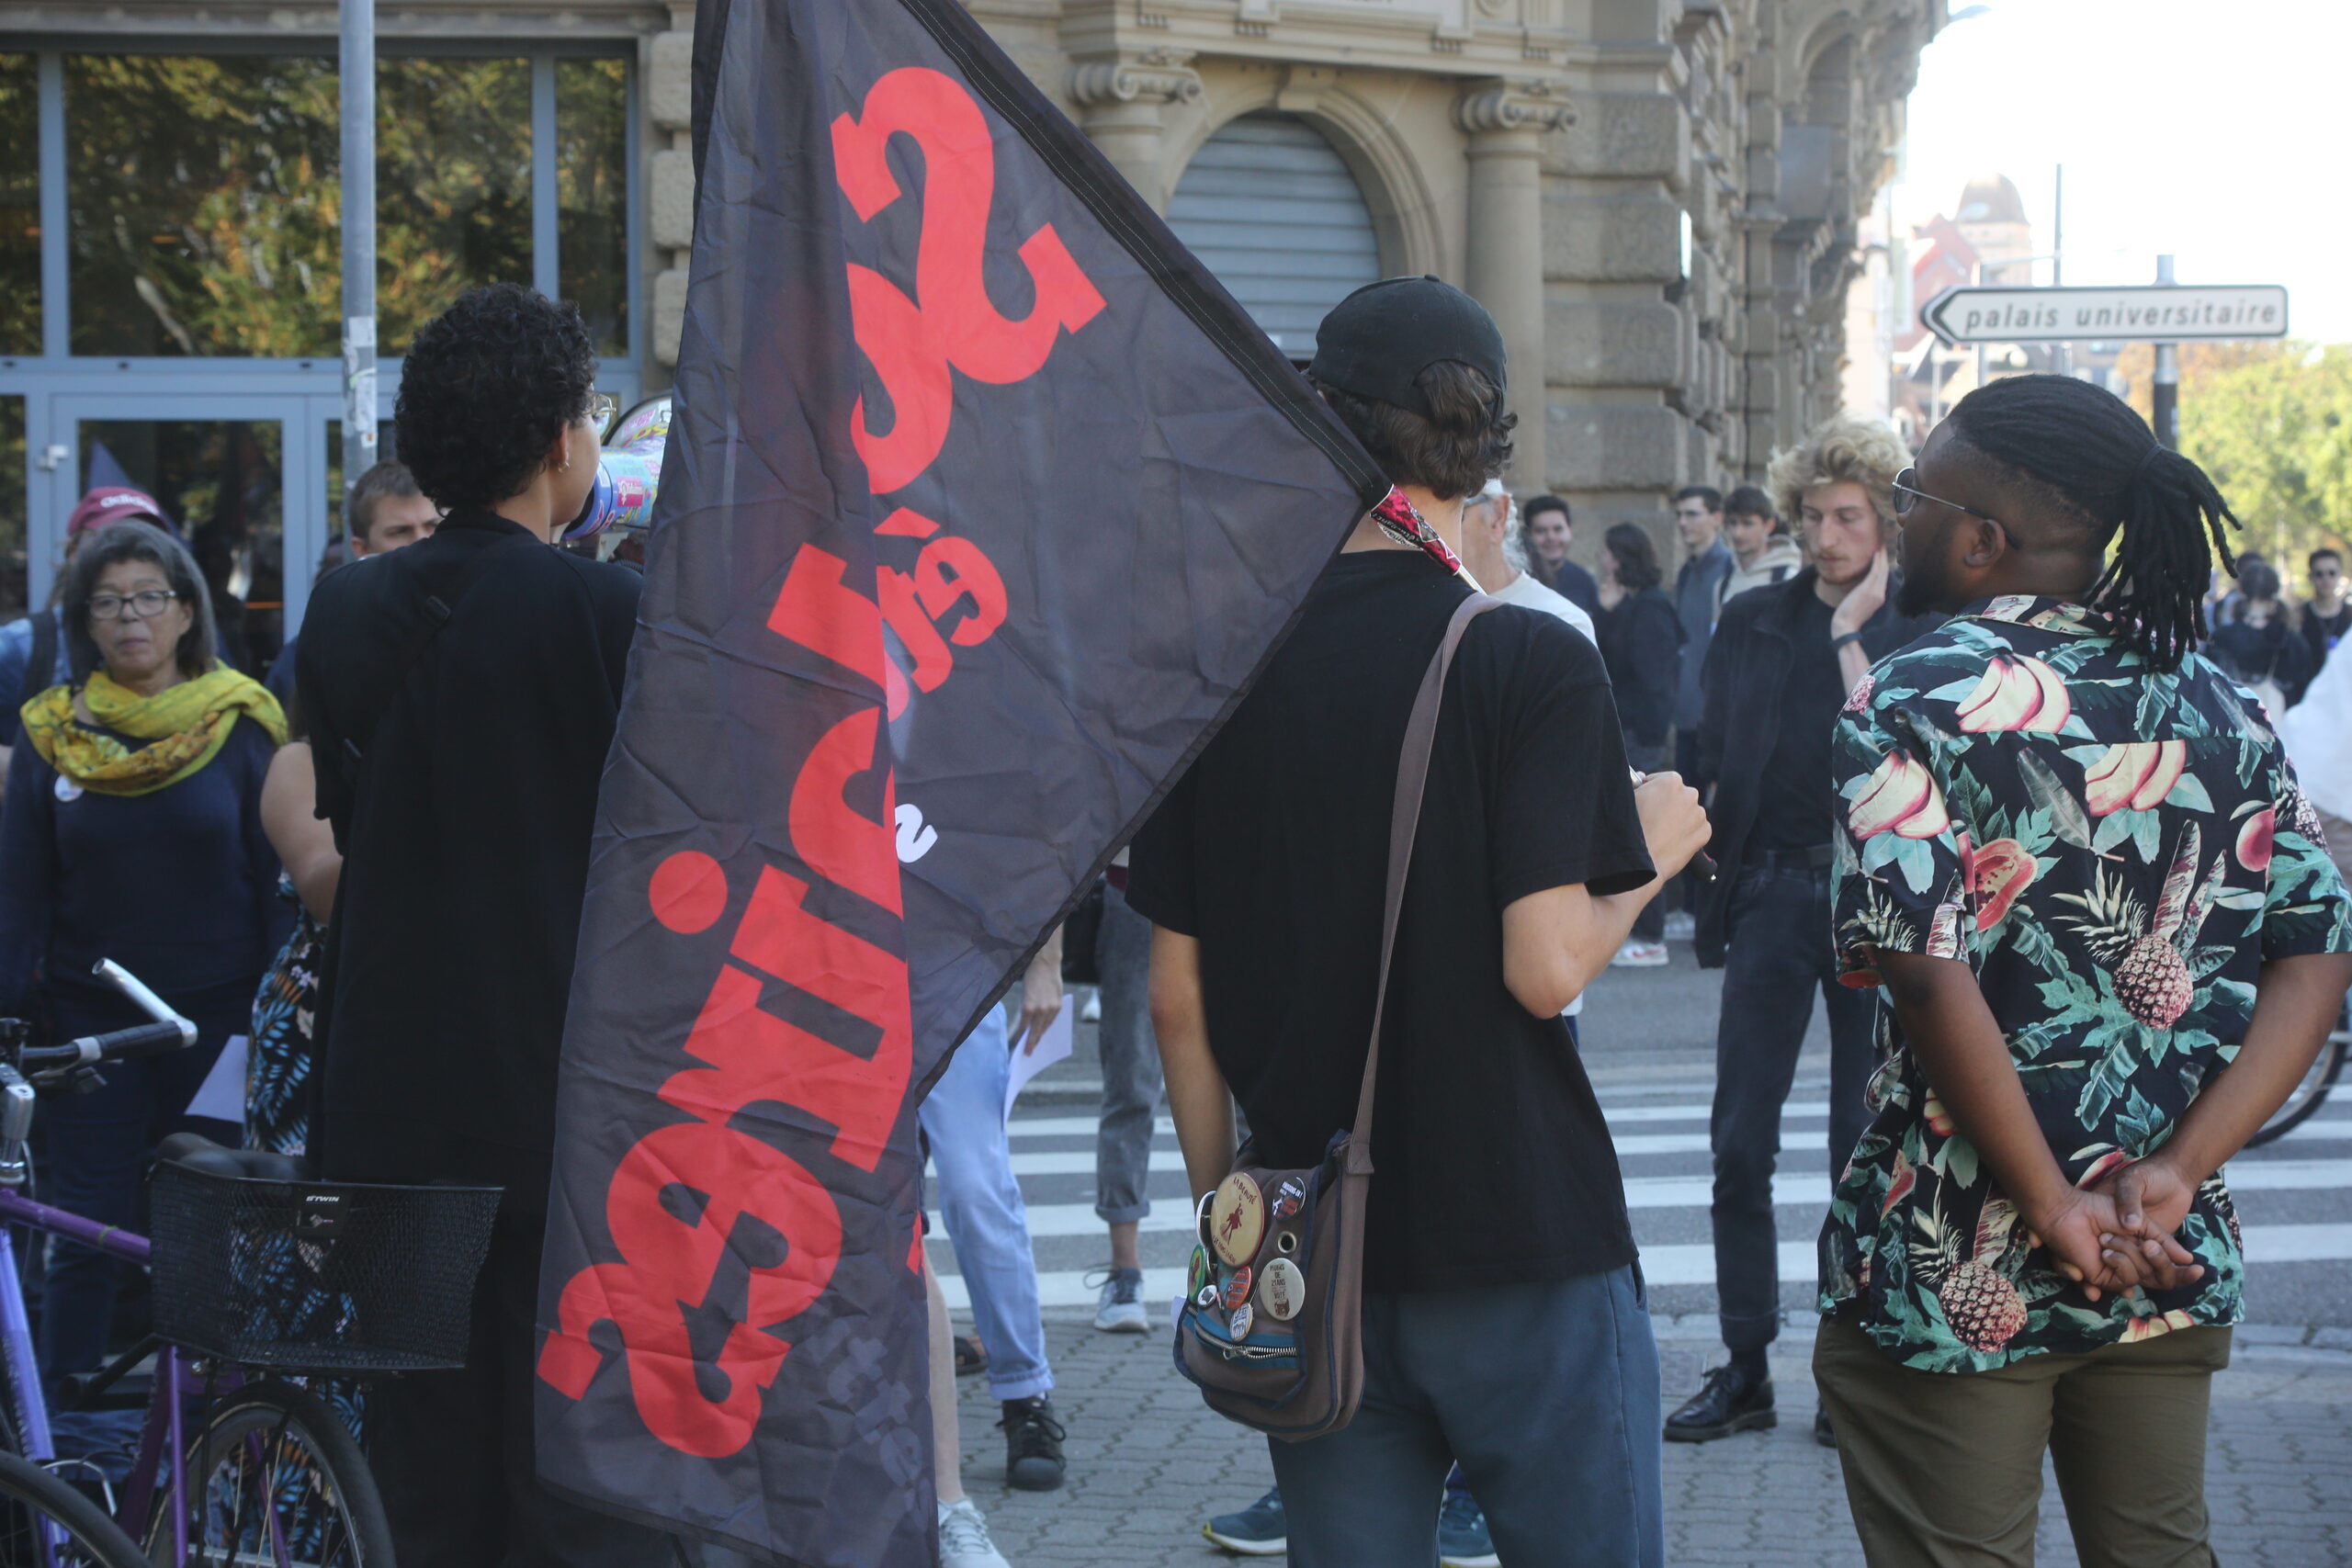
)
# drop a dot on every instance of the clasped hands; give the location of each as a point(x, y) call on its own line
point(2120, 1233)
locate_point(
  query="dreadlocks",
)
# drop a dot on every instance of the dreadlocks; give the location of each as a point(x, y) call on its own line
point(2088, 454)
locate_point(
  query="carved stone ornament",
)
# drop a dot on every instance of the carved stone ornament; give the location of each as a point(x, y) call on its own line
point(1162, 76)
point(1495, 106)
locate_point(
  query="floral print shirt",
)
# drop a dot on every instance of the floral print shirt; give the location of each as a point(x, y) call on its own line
point(2115, 853)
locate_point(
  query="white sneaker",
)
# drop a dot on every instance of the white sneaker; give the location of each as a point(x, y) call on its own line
point(1092, 1011)
point(1681, 927)
point(1120, 1310)
point(1640, 955)
point(964, 1539)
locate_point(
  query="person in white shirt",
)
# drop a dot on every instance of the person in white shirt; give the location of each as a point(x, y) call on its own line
point(1492, 550)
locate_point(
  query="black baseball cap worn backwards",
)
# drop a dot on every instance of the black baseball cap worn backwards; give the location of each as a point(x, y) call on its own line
point(1379, 338)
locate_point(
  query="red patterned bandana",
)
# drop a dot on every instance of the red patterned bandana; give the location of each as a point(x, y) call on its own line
point(1402, 521)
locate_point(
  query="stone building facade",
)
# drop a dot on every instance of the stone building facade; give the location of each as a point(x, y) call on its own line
point(1658, 199)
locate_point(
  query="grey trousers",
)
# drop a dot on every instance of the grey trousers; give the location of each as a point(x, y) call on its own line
point(1546, 1394)
point(1131, 1081)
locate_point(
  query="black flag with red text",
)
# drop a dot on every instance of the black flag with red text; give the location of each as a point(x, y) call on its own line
point(982, 506)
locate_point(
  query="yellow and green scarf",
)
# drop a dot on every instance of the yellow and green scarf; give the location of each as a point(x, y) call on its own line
point(184, 727)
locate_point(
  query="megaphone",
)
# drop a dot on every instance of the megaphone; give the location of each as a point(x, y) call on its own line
point(628, 475)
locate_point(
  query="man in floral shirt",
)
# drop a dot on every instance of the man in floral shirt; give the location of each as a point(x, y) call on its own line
point(2072, 853)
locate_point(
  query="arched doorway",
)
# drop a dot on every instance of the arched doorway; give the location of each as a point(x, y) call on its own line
point(1271, 208)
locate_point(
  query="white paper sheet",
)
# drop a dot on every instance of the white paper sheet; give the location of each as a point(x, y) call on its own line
point(1060, 1037)
point(222, 1098)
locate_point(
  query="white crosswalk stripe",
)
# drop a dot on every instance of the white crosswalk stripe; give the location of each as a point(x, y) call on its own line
point(1660, 1132)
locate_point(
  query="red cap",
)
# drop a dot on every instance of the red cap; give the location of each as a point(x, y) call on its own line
point(112, 503)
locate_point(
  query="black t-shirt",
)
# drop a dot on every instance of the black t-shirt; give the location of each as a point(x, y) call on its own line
point(1492, 1164)
point(1792, 810)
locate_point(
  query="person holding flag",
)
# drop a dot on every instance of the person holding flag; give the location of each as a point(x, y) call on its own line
point(1504, 1321)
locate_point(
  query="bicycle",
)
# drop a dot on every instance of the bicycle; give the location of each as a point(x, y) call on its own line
point(258, 1272)
point(2310, 1094)
point(45, 1523)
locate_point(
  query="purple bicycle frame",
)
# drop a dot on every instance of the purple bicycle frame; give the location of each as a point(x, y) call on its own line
point(166, 1407)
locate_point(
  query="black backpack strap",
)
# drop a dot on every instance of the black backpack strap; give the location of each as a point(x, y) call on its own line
point(445, 592)
point(39, 670)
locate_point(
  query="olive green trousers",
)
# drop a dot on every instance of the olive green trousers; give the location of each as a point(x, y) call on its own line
point(1943, 1470)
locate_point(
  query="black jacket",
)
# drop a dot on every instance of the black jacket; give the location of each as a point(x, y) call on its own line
point(1745, 672)
point(465, 824)
point(1641, 642)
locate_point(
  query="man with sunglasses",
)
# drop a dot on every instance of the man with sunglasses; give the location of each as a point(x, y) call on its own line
point(1782, 661)
point(462, 694)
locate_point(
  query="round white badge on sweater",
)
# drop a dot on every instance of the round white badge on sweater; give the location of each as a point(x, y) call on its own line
point(68, 791)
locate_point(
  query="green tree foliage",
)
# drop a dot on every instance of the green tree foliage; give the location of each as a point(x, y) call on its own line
point(2272, 423)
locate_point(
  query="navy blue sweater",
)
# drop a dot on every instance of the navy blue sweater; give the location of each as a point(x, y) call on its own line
point(179, 886)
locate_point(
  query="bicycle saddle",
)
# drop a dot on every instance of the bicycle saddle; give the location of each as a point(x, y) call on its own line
point(198, 1152)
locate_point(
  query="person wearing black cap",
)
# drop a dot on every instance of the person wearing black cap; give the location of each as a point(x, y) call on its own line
point(1504, 1324)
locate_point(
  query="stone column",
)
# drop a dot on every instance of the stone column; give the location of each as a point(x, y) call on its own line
point(1506, 123)
point(1119, 104)
point(669, 179)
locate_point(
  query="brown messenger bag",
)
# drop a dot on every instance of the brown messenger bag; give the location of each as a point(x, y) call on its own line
point(1270, 1326)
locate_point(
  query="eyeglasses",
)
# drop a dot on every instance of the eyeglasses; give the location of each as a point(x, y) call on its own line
point(1907, 495)
point(603, 409)
point(146, 604)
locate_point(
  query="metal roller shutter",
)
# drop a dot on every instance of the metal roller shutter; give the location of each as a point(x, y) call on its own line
point(1273, 210)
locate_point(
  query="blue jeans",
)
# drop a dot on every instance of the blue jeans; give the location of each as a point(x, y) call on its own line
point(1780, 952)
point(1546, 1394)
point(1131, 1082)
point(980, 1202)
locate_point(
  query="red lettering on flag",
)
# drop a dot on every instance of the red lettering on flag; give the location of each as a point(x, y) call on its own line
point(949, 322)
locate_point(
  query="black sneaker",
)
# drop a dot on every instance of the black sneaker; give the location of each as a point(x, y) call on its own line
point(1728, 1402)
point(1823, 1432)
point(1032, 1444)
point(971, 1355)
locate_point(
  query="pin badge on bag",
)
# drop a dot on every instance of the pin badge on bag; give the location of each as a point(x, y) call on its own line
point(1237, 1290)
point(1289, 1197)
point(1200, 1273)
point(1281, 1289)
point(1207, 1296)
point(1241, 1320)
point(1237, 1218)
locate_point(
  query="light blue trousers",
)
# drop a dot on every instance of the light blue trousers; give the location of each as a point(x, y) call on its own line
point(980, 1202)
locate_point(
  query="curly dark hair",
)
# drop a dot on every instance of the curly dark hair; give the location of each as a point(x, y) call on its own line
point(1463, 443)
point(487, 387)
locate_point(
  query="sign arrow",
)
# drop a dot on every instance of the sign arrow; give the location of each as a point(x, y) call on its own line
point(2136, 314)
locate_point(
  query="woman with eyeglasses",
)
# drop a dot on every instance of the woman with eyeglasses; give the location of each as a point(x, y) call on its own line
point(132, 831)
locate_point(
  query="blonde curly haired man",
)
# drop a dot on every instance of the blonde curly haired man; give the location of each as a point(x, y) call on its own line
point(1782, 661)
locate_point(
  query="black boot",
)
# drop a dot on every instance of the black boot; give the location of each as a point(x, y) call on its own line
point(1032, 1444)
point(1733, 1399)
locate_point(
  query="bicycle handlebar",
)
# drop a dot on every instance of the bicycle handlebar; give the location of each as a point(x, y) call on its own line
point(115, 1045)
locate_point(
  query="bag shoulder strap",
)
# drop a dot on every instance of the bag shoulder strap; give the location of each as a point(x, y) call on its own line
point(443, 593)
point(41, 667)
point(1405, 820)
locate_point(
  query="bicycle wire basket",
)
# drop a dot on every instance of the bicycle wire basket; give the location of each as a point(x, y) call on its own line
point(316, 1276)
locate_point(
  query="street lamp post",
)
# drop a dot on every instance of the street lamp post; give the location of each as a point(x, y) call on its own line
point(357, 90)
point(2164, 397)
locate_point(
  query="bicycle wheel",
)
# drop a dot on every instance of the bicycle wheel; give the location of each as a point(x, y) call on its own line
point(275, 1481)
point(45, 1523)
point(2310, 1094)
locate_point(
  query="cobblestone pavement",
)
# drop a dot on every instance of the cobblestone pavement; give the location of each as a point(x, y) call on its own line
point(1148, 1463)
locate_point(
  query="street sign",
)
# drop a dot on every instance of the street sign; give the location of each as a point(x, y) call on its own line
point(2142, 315)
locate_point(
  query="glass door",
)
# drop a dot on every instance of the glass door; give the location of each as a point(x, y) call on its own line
point(240, 479)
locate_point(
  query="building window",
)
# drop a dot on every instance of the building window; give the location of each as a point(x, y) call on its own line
point(205, 196)
point(591, 193)
point(20, 212)
point(204, 204)
point(452, 185)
